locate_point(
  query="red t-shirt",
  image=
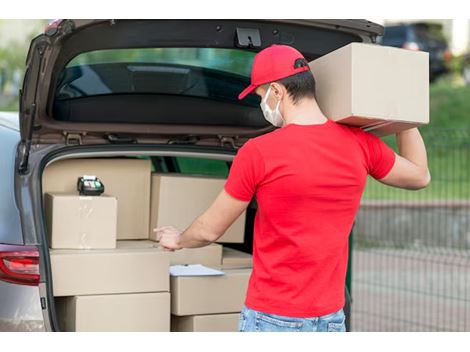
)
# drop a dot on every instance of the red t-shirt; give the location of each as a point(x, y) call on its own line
point(308, 181)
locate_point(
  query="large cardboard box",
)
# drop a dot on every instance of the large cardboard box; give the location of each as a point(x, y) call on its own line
point(119, 312)
point(178, 200)
point(76, 222)
point(233, 257)
point(193, 295)
point(128, 180)
point(208, 255)
point(206, 323)
point(382, 89)
point(106, 271)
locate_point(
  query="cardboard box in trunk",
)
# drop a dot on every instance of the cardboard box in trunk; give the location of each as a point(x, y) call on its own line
point(178, 200)
point(119, 312)
point(76, 222)
point(208, 255)
point(194, 295)
point(107, 271)
point(126, 179)
point(206, 323)
point(382, 89)
point(233, 257)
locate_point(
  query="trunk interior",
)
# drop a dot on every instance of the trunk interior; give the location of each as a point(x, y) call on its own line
point(108, 272)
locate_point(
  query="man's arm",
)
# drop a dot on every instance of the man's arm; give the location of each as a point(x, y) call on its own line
point(410, 170)
point(206, 228)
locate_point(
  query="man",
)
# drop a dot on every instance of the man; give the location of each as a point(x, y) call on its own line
point(308, 177)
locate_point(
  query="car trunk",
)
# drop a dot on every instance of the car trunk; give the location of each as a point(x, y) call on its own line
point(119, 171)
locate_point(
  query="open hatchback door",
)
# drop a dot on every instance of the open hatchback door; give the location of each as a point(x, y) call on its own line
point(158, 81)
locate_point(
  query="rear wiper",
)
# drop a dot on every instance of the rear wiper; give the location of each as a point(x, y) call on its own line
point(116, 139)
point(184, 140)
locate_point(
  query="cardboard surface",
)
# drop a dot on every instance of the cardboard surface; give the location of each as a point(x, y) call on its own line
point(178, 200)
point(209, 294)
point(126, 179)
point(107, 271)
point(384, 88)
point(206, 323)
point(118, 312)
point(208, 255)
point(76, 222)
point(235, 257)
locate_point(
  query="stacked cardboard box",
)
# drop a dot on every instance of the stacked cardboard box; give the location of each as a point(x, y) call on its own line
point(128, 180)
point(208, 255)
point(211, 303)
point(205, 323)
point(110, 276)
point(75, 222)
point(177, 200)
point(116, 312)
point(233, 257)
point(382, 89)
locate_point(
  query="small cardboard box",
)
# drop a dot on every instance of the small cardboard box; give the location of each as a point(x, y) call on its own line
point(76, 222)
point(119, 312)
point(233, 257)
point(178, 200)
point(128, 180)
point(382, 89)
point(208, 255)
point(206, 323)
point(107, 271)
point(194, 295)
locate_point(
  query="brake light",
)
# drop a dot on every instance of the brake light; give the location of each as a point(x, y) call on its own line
point(411, 46)
point(19, 264)
point(447, 55)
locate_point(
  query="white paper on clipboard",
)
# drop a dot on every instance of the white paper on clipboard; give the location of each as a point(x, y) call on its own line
point(193, 270)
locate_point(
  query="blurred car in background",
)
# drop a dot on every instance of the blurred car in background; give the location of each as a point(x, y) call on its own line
point(421, 36)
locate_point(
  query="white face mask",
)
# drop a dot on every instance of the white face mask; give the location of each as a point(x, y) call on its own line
point(273, 116)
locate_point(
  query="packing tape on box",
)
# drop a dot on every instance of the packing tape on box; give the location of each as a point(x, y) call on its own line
point(85, 209)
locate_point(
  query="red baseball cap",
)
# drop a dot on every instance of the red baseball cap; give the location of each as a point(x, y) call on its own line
point(273, 63)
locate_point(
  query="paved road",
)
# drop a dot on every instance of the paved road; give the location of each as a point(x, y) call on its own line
point(405, 290)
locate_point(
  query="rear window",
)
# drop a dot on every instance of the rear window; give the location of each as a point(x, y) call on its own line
point(212, 73)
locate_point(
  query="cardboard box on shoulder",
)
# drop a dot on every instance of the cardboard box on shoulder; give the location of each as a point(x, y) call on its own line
point(382, 89)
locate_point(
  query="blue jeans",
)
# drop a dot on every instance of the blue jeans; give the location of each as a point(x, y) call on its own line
point(253, 320)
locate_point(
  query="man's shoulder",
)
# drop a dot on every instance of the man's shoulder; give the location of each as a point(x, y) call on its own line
point(266, 139)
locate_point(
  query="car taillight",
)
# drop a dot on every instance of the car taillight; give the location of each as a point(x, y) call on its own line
point(447, 55)
point(19, 264)
point(411, 46)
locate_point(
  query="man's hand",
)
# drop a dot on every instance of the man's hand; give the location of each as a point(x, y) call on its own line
point(169, 237)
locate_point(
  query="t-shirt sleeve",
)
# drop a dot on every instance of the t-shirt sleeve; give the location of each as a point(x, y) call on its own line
point(246, 172)
point(381, 157)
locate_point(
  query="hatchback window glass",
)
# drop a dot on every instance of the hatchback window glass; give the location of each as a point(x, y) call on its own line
point(213, 73)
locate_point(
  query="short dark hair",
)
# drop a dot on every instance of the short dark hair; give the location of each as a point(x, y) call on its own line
point(298, 86)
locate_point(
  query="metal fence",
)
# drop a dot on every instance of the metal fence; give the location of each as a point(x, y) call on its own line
point(411, 249)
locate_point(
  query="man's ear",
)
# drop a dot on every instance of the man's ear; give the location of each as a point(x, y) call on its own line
point(278, 90)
